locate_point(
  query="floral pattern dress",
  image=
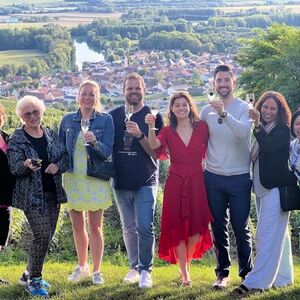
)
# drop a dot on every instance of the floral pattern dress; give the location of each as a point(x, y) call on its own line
point(85, 192)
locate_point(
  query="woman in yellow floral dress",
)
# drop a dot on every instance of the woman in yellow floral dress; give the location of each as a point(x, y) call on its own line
point(87, 193)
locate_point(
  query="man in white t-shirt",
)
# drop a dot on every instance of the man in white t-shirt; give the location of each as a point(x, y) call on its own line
point(227, 177)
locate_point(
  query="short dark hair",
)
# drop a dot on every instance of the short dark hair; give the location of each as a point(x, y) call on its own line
point(135, 76)
point(223, 68)
point(295, 115)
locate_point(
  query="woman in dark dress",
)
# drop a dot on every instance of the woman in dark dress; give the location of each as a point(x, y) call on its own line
point(186, 215)
point(6, 186)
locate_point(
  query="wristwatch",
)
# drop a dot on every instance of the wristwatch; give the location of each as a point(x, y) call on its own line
point(257, 127)
point(141, 136)
point(224, 114)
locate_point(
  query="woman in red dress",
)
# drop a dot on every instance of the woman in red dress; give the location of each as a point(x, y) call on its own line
point(186, 216)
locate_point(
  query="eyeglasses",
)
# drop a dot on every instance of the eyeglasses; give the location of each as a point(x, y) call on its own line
point(36, 113)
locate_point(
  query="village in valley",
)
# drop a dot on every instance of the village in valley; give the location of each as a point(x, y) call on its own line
point(172, 47)
point(163, 76)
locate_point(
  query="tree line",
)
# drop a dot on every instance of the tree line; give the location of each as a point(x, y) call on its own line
point(53, 40)
point(256, 21)
point(157, 33)
point(271, 61)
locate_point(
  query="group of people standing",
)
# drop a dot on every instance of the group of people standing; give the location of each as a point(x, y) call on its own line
point(209, 177)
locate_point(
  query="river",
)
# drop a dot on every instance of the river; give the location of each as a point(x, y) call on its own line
point(85, 54)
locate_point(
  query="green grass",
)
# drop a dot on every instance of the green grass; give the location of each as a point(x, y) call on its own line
point(18, 57)
point(166, 284)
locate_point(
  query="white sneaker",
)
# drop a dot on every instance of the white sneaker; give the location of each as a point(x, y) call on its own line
point(132, 276)
point(79, 273)
point(145, 280)
point(97, 278)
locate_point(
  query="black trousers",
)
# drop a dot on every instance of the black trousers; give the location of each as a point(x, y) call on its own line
point(4, 225)
point(233, 194)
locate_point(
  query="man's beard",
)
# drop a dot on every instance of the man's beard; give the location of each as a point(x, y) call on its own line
point(134, 99)
point(223, 94)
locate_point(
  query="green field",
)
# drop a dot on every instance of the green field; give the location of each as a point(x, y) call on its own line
point(20, 25)
point(18, 57)
point(67, 19)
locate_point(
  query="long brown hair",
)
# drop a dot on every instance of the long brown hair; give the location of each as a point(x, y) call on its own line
point(284, 112)
point(193, 115)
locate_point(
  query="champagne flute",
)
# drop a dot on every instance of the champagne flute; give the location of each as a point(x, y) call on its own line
point(128, 111)
point(154, 107)
point(250, 98)
point(85, 123)
point(211, 94)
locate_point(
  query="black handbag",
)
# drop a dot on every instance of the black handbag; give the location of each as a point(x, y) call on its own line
point(289, 197)
point(99, 167)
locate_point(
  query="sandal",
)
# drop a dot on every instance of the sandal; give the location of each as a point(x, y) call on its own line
point(242, 290)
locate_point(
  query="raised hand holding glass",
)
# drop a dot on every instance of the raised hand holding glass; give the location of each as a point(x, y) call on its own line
point(128, 111)
point(85, 123)
point(211, 94)
point(154, 107)
point(250, 98)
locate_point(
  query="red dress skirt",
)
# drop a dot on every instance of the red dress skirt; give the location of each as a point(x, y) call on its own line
point(185, 209)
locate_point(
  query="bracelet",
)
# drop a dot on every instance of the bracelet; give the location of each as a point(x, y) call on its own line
point(141, 137)
point(257, 126)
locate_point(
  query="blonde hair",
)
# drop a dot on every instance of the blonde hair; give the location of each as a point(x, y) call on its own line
point(27, 100)
point(95, 85)
point(2, 112)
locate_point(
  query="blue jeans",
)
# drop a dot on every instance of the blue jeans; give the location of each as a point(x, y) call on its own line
point(231, 193)
point(136, 210)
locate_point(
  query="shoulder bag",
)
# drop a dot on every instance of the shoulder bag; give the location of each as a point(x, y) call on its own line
point(99, 167)
point(289, 197)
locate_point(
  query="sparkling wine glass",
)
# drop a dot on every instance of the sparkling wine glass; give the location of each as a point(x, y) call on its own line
point(128, 111)
point(85, 123)
point(211, 93)
point(250, 98)
point(154, 107)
